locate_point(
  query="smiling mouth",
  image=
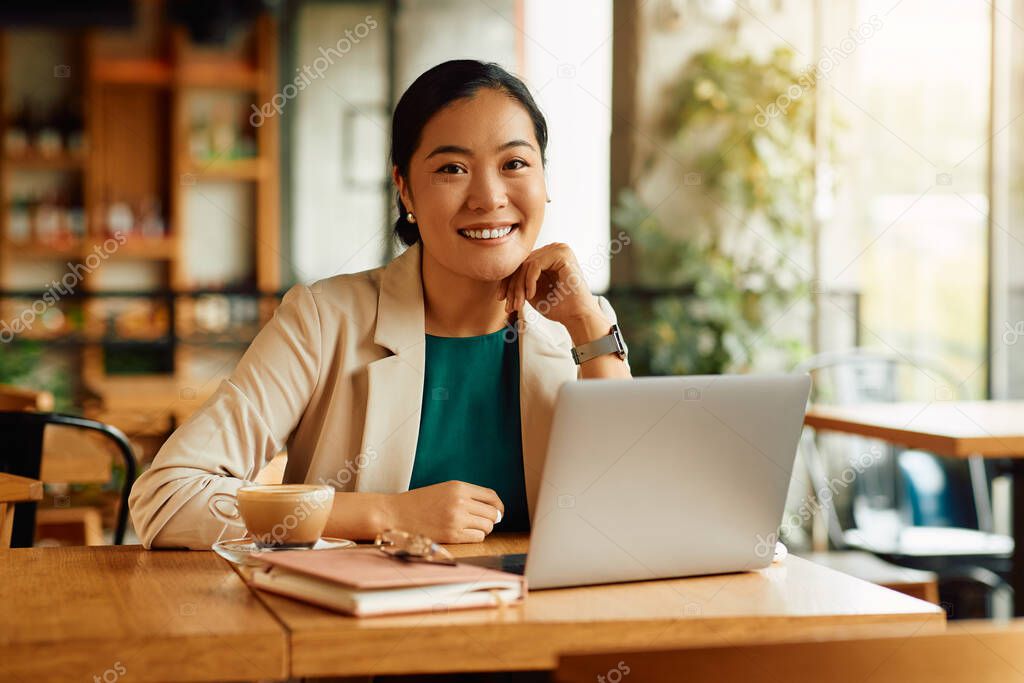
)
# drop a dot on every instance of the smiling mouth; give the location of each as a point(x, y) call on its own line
point(496, 232)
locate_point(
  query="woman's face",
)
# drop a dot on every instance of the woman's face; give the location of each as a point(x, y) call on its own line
point(476, 186)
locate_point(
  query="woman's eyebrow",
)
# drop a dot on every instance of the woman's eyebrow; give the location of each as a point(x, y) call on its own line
point(455, 149)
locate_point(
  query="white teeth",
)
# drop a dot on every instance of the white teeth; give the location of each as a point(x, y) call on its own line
point(487, 233)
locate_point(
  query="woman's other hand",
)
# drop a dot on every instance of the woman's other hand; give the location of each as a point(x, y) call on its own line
point(450, 512)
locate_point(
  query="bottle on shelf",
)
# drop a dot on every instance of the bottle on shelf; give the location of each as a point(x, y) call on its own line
point(151, 224)
point(223, 132)
point(49, 142)
point(19, 221)
point(19, 131)
point(76, 221)
point(199, 139)
point(71, 128)
point(72, 218)
point(47, 219)
point(246, 138)
point(119, 218)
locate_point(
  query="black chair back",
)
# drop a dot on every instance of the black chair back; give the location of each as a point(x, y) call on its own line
point(22, 454)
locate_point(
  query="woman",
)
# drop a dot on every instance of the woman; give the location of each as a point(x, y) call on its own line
point(422, 390)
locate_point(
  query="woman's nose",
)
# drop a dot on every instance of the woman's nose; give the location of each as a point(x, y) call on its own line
point(487, 193)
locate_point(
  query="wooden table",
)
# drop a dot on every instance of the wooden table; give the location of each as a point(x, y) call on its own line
point(797, 598)
point(75, 613)
point(956, 429)
point(78, 612)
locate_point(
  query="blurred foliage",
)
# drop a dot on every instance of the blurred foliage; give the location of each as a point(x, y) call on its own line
point(743, 130)
point(26, 364)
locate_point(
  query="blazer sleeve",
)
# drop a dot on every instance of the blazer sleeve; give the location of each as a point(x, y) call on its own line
point(607, 309)
point(244, 424)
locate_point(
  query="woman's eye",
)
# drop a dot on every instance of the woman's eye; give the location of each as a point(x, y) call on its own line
point(520, 164)
point(450, 168)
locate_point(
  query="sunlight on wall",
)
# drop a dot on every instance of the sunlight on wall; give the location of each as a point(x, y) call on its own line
point(568, 58)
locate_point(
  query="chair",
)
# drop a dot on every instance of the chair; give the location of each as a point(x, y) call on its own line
point(968, 652)
point(14, 489)
point(23, 453)
point(907, 507)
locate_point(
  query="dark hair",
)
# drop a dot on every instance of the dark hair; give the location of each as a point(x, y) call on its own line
point(433, 91)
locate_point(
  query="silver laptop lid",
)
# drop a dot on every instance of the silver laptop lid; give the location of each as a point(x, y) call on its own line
point(664, 476)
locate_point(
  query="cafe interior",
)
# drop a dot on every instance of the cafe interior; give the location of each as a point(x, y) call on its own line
point(819, 187)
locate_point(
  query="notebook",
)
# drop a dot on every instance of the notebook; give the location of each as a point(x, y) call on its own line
point(366, 582)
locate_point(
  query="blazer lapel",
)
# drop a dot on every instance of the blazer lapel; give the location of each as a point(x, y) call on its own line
point(545, 363)
point(395, 382)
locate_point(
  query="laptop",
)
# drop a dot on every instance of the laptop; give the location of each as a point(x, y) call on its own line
point(662, 477)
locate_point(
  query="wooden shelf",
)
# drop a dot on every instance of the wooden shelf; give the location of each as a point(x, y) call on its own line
point(122, 71)
point(80, 339)
point(228, 169)
point(39, 250)
point(37, 162)
point(231, 76)
point(153, 248)
point(134, 248)
point(154, 78)
point(156, 72)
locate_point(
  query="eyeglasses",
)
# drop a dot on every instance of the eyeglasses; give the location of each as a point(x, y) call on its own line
point(411, 547)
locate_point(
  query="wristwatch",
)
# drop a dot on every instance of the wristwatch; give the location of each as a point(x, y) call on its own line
point(610, 343)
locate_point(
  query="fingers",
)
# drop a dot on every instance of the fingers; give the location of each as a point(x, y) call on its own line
point(512, 291)
point(503, 288)
point(526, 282)
point(533, 271)
point(472, 536)
point(479, 522)
point(485, 510)
point(485, 495)
point(521, 286)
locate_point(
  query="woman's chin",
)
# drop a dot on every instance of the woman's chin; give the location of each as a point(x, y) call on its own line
point(492, 267)
point(489, 272)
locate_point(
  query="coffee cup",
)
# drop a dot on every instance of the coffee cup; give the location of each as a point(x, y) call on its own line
point(278, 515)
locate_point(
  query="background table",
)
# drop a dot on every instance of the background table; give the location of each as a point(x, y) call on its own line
point(956, 429)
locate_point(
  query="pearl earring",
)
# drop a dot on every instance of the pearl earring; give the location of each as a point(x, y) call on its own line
point(410, 218)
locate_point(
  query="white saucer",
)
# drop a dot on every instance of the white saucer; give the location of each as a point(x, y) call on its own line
point(244, 551)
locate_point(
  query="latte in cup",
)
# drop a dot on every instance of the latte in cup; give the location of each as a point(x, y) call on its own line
point(278, 515)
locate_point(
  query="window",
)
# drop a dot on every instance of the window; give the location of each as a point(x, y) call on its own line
point(908, 233)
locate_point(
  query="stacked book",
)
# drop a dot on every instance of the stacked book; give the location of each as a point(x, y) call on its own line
point(366, 582)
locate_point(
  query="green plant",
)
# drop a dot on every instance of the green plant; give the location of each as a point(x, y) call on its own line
point(742, 138)
point(27, 364)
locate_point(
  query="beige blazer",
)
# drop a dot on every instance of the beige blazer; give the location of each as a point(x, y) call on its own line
point(336, 377)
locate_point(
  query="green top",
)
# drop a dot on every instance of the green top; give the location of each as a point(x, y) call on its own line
point(470, 423)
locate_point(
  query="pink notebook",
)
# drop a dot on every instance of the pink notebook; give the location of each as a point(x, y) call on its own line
point(366, 582)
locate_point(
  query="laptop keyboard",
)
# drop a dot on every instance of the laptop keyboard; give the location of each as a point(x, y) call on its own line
point(513, 563)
